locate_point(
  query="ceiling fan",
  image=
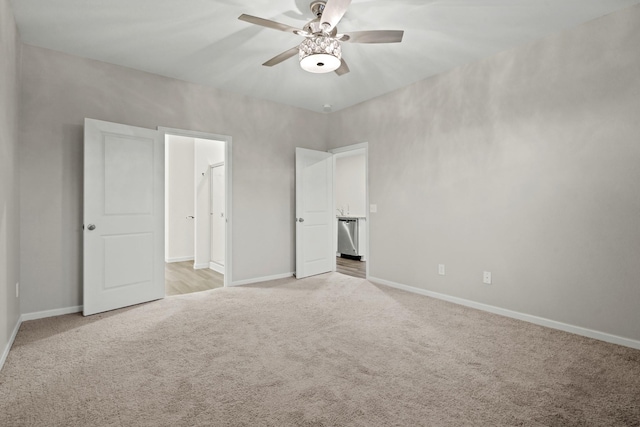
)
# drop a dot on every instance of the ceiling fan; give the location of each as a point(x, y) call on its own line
point(320, 51)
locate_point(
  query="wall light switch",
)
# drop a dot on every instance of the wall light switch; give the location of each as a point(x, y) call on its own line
point(17, 289)
point(441, 269)
point(373, 208)
point(486, 277)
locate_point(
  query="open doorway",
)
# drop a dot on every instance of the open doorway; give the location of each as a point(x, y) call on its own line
point(196, 215)
point(318, 212)
point(351, 202)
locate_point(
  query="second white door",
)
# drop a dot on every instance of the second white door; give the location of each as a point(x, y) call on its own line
point(315, 253)
point(123, 216)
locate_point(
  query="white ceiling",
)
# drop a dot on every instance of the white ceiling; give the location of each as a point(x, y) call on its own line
point(202, 41)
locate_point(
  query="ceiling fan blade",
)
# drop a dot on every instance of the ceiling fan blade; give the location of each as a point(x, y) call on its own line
point(333, 12)
point(267, 23)
point(374, 36)
point(343, 68)
point(282, 57)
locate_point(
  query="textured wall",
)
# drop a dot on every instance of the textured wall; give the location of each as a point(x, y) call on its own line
point(526, 165)
point(9, 198)
point(60, 90)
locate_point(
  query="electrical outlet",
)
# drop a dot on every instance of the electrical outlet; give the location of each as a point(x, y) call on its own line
point(486, 277)
point(441, 269)
point(17, 289)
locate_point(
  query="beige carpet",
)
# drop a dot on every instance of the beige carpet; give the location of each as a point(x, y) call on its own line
point(326, 351)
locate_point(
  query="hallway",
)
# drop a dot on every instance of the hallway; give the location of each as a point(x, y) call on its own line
point(180, 278)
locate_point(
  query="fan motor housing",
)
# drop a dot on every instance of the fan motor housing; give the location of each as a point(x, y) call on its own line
point(314, 27)
point(317, 7)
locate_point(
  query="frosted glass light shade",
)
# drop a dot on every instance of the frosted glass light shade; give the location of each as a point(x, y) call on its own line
point(320, 54)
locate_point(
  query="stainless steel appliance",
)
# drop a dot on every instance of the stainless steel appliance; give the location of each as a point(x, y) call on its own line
point(348, 236)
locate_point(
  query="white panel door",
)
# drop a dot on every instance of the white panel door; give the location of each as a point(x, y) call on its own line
point(218, 220)
point(123, 216)
point(315, 253)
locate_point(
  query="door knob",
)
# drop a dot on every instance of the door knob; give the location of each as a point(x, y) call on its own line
point(301, 219)
point(91, 227)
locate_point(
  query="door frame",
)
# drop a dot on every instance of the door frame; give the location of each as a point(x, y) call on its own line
point(213, 265)
point(342, 152)
point(164, 131)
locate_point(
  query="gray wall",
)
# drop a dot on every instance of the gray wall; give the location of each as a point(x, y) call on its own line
point(9, 199)
point(59, 91)
point(527, 165)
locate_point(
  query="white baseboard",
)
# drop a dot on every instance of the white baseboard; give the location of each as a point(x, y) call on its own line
point(216, 267)
point(179, 259)
point(261, 279)
point(578, 330)
point(34, 316)
point(12, 338)
point(200, 266)
point(50, 313)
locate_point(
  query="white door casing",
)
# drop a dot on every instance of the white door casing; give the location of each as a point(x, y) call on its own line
point(218, 219)
point(315, 253)
point(123, 216)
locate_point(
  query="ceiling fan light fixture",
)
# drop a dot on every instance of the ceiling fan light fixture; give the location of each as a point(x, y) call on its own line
point(320, 54)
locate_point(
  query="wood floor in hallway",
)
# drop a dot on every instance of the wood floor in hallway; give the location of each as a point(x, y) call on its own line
point(181, 278)
point(351, 267)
